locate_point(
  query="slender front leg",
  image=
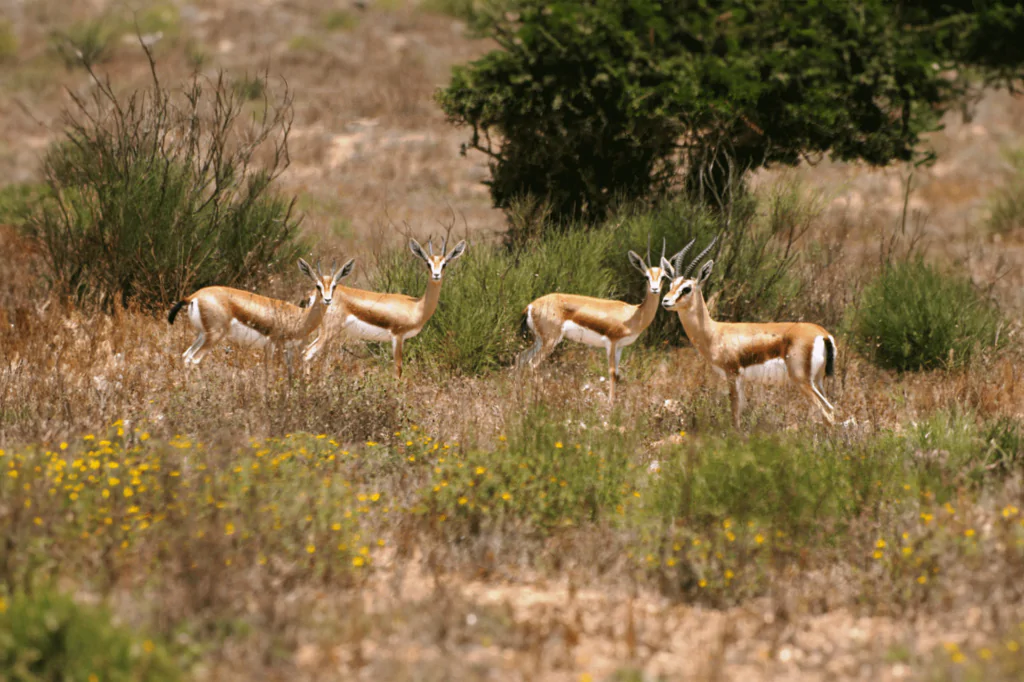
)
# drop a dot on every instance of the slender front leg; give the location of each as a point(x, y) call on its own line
point(736, 398)
point(613, 369)
point(396, 348)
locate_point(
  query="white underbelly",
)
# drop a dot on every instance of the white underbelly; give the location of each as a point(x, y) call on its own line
point(246, 336)
point(575, 332)
point(358, 329)
point(773, 371)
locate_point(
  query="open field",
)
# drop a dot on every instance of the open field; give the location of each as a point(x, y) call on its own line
point(497, 525)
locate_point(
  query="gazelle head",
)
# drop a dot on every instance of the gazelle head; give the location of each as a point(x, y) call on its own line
point(325, 284)
point(653, 273)
point(437, 264)
point(683, 291)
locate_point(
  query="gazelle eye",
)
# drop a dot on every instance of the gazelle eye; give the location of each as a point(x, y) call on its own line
point(686, 290)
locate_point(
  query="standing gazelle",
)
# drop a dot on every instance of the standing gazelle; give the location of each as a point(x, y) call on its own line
point(600, 322)
point(375, 316)
point(774, 352)
point(249, 319)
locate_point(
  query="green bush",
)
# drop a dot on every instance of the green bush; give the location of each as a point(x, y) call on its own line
point(8, 41)
point(543, 476)
point(915, 317)
point(155, 195)
point(47, 637)
point(88, 42)
point(339, 20)
point(475, 327)
point(586, 103)
point(1007, 203)
point(17, 202)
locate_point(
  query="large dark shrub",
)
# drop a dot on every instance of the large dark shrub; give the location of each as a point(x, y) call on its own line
point(584, 103)
point(914, 316)
point(158, 193)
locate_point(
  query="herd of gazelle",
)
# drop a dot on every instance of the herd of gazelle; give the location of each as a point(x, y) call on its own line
point(777, 352)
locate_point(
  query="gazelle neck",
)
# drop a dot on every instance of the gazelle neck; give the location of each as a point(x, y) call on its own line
point(698, 325)
point(428, 303)
point(313, 317)
point(645, 312)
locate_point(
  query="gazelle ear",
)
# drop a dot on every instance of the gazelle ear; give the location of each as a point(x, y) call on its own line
point(637, 261)
point(669, 271)
point(305, 268)
point(344, 271)
point(417, 250)
point(705, 272)
point(459, 249)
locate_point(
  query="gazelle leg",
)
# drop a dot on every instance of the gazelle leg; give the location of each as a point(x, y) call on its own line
point(613, 369)
point(547, 348)
point(827, 410)
point(196, 345)
point(821, 396)
point(396, 348)
point(737, 400)
point(209, 341)
point(618, 361)
point(314, 347)
point(526, 357)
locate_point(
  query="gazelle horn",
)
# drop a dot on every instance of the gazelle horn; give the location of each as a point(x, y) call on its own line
point(700, 255)
point(677, 259)
point(430, 245)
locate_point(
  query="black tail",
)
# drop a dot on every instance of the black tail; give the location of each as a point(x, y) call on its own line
point(524, 326)
point(830, 357)
point(174, 311)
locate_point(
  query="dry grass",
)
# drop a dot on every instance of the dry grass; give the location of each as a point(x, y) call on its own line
point(511, 598)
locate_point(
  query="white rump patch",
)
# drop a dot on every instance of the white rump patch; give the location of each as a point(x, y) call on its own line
point(575, 332)
point(193, 316)
point(246, 336)
point(818, 357)
point(358, 329)
point(773, 371)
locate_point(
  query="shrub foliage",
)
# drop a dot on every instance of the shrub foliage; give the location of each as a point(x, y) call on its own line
point(156, 194)
point(475, 326)
point(915, 317)
point(584, 102)
point(47, 637)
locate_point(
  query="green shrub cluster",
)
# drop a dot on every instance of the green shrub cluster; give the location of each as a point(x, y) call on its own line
point(1007, 203)
point(475, 326)
point(915, 317)
point(544, 475)
point(155, 194)
point(48, 637)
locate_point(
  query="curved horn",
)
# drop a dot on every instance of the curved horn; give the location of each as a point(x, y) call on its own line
point(334, 266)
point(700, 255)
point(648, 249)
point(430, 245)
point(664, 243)
point(677, 259)
point(444, 247)
point(318, 272)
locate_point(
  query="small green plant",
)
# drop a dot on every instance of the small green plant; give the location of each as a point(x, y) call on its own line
point(88, 42)
point(915, 317)
point(18, 201)
point(339, 20)
point(305, 43)
point(545, 475)
point(250, 88)
point(153, 195)
point(8, 41)
point(48, 637)
point(162, 18)
point(1007, 203)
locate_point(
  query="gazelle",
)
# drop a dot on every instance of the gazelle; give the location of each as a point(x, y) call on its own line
point(375, 316)
point(774, 352)
point(599, 322)
point(245, 318)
